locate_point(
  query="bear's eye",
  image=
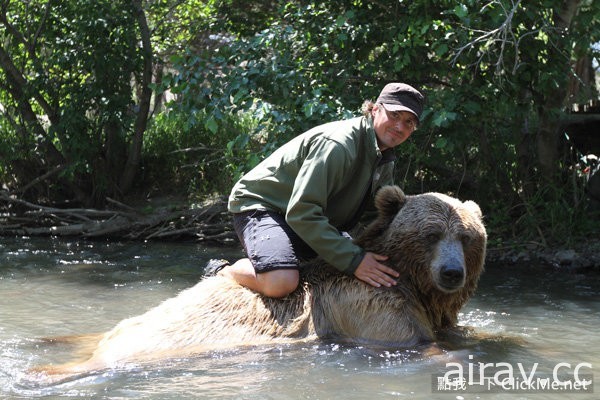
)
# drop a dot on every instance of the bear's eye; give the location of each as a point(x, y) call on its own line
point(465, 239)
point(433, 237)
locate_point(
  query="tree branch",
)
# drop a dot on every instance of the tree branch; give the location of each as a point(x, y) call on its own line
point(14, 73)
point(39, 179)
point(503, 34)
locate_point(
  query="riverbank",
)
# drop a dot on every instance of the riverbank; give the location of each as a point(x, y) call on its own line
point(175, 219)
point(582, 257)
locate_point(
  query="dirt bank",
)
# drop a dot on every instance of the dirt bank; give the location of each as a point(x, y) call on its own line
point(582, 257)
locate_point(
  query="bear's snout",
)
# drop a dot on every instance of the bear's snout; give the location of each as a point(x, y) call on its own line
point(452, 276)
point(448, 265)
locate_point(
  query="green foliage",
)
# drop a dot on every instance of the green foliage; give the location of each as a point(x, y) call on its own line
point(76, 62)
point(176, 25)
point(488, 71)
point(183, 155)
point(248, 76)
point(263, 75)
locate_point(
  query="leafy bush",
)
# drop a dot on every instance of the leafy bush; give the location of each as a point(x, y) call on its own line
point(181, 154)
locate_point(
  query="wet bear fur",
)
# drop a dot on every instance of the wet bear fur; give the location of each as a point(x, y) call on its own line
point(424, 236)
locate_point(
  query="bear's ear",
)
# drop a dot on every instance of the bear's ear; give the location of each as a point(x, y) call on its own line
point(389, 200)
point(474, 208)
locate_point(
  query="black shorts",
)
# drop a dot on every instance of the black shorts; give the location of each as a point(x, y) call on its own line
point(269, 241)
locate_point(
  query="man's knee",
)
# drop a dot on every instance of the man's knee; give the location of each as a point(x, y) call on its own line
point(279, 283)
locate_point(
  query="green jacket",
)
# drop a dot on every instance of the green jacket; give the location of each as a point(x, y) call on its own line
point(320, 181)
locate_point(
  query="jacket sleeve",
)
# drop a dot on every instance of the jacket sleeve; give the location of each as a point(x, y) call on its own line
point(321, 173)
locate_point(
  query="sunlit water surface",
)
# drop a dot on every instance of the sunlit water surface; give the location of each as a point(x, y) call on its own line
point(54, 287)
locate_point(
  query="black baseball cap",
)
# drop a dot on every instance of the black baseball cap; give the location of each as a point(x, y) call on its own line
point(401, 97)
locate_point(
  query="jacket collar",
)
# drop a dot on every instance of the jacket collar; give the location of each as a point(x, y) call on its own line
point(387, 155)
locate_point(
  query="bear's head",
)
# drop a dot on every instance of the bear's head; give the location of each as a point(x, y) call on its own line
point(437, 243)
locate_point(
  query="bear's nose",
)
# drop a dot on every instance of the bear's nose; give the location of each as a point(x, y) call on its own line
point(452, 275)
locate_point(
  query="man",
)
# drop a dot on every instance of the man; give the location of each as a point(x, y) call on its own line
point(298, 203)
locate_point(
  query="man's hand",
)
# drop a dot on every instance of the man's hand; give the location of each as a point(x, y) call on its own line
point(374, 273)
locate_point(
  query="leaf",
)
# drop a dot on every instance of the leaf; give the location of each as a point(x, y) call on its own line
point(211, 124)
point(441, 49)
point(461, 11)
point(441, 142)
point(308, 110)
point(443, 118)
point(253, 160)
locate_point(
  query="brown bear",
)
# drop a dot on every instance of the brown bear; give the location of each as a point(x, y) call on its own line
point(437, 244)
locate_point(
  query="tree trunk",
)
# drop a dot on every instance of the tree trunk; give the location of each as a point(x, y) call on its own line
point(133, 160)
point(549, 130)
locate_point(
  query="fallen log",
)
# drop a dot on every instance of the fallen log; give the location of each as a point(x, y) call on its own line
point(208, 222)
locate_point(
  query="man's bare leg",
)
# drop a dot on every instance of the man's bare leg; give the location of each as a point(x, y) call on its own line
point(277, 283)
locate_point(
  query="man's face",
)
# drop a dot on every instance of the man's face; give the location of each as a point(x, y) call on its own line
point(392, 127)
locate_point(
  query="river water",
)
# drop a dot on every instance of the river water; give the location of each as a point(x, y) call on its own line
point(51, 287)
